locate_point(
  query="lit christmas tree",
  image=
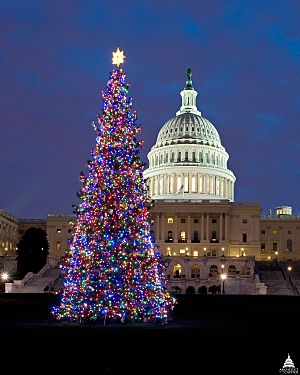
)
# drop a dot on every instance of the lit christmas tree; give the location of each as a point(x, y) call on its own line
point(112, 269)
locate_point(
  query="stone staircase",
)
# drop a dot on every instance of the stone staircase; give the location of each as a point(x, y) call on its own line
point(275, 276)
point(46, 280)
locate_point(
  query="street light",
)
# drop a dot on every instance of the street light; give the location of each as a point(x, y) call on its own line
point(5, 276)
point(289, 269)
point(276, 253)
point(223, 251)
point(204, 251)
point(223, 278)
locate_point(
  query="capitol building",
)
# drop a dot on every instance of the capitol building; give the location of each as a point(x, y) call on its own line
point(209, 242)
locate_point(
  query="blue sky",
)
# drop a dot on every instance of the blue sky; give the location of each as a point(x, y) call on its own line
point(55, 59)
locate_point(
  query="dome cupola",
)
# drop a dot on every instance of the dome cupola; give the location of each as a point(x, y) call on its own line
point(188, 160)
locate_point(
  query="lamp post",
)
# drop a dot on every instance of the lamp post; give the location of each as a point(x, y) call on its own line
point(276, 253)
point(223, 249)
point(289, 270)
point(223, 278)
point(204, 251)
point(4, 279)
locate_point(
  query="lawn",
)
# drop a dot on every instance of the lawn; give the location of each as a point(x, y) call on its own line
point(214, 333)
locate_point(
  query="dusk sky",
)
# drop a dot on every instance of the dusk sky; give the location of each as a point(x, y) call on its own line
point(55, 59)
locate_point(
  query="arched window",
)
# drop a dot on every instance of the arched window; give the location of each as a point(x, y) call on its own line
point(171, 184)
point(207, 158)
point(160, 159)
point(155, 186)
point(218, 186)
point(194, 156)
point(170, 236)
point(172, 157)
point(213, 271)
point(196, 236)
point(186, 156)
point(232, 270)
point(178, 183)
point(195, 271)
point(179, 156)
point(201, 184)
point(289, 245)
point(194, 188)
point(200, 157)
point(190, 290)
point(167, 158)
point(161, 185)
point(186, 184)
point(202, 289)
point(177, 271)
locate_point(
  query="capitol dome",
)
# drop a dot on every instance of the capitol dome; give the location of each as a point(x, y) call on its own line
point(188, 160)
point(191, 128)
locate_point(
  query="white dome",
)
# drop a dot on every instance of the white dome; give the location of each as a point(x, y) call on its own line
point(190, 128)
point(188, 160)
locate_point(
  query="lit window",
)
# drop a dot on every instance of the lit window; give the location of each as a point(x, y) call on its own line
point(186, 184)
point(274, 232)
point(182, 251)
point(58, 230)
point(58, 245)
point(194, 190)
point(195, 253)
point(177, 270)
point(170, 220)
point(178, 183)
point(182, 235)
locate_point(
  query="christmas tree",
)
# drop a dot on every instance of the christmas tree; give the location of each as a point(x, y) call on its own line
point(112, 269)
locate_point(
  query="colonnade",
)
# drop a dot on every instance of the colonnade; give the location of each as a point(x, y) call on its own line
point(209, 184)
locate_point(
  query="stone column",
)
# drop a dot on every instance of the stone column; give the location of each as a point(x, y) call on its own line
point(189, 229)
point(157, 234)
point(175, 238)
point(163, 236)
point(221, 227)
point(207, 227)
point(226, 237)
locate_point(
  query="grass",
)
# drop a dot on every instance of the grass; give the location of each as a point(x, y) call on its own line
point(205, 333)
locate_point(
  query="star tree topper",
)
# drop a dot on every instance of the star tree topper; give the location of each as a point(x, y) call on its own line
point(118, 57)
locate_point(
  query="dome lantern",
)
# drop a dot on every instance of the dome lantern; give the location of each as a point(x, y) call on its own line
point(188, 97)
